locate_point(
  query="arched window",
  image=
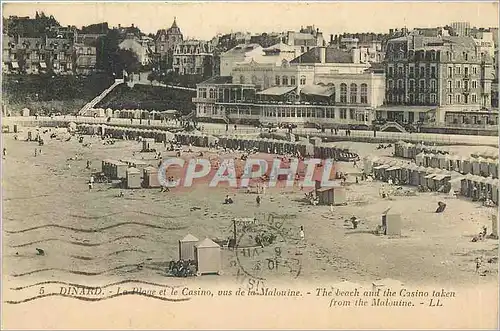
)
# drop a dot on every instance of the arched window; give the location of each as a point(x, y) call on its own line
point(242, 79)
point(211, 93)
point(354, 93)
point(292, 80)
point(302, 80)
point(254, 80)
point(277, 80)
point(284, 80)
point(391, 84)
point(400, 84)
point(364, 93)
point(343, 93)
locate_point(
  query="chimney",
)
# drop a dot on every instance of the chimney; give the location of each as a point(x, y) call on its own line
point(331, 39)
point(356, 55)
point(322, 54)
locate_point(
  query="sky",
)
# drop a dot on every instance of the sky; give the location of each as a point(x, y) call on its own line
point(203, 20)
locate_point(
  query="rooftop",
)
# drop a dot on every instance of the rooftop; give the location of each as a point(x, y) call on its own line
point(333, 55)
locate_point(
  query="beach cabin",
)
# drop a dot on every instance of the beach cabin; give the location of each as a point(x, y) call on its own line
point(379, 171)
point(493, 168)
point(114, 169)
point(398, 148)
point(483, 167)
point(394, 172)
point(391, 223)
point(148, 144)
point(476, 167)
point(494, 191)
point(133, 178)
point(442, 162)
point(186, 247)
point(331, 195)
point(466, 166)
point(150, 177)
point(441, 182)
point(208, 257)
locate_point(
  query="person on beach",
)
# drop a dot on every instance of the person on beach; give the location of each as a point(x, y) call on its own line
point(301, 233)
point(258, 200)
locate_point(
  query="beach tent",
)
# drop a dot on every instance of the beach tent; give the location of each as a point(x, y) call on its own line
point(208, 257)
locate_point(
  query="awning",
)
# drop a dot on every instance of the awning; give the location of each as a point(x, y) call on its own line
point(440, 177)
point(15, 65)
point(43, 65)
point(393, 168)
point(383, 166)
point(430, 176)
point(277, 90)
point(324, 91)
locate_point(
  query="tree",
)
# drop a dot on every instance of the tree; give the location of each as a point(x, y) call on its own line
point(106, 47)
point(123, 59)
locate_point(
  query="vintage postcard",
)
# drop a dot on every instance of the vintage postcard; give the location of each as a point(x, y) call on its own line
point(239, 165)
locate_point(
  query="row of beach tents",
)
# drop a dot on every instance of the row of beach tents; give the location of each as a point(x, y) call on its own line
point(134, 113)
point(434, 179)
point(462, 164)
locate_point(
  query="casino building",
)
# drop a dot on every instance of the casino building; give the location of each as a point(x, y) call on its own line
point(324, 86)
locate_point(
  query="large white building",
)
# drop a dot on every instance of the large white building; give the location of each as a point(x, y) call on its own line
point(324, 86)
point(240, 53)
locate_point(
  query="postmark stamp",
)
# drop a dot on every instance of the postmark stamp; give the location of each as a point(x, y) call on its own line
point(267, 249)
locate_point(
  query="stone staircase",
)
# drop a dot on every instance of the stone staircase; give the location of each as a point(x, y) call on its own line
point(90, 105)
point(393, 125)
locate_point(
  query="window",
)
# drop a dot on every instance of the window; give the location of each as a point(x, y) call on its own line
point(354, 93)
point(474, 70)
point(400, 71)
point(400, 84)
point(352, 114)
point(458, 84)
point(466, 71)
point(474, 84)
point(450, 72)
point(458, 70)
point(391, 84)
point(433, 85)
point(433, 72)
point(421, 98)
point(457, 98)
point(422, 71)
point(211, 93)
point(466, 98)
point(277, 80)
point(421, 85)
point(412, 71)
point(162, 48)
point(292, 80)
point(254, 80)
point(450, 86)
point(391, 71)
point(343, 93)
point(474, 98)
point(433, 98)
point(450, 99)
point(285, 80)
point(302, 80)
point(412, 85)
point(343, 113)
point(364, 93)
point(302, 49)
point(242, 79)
